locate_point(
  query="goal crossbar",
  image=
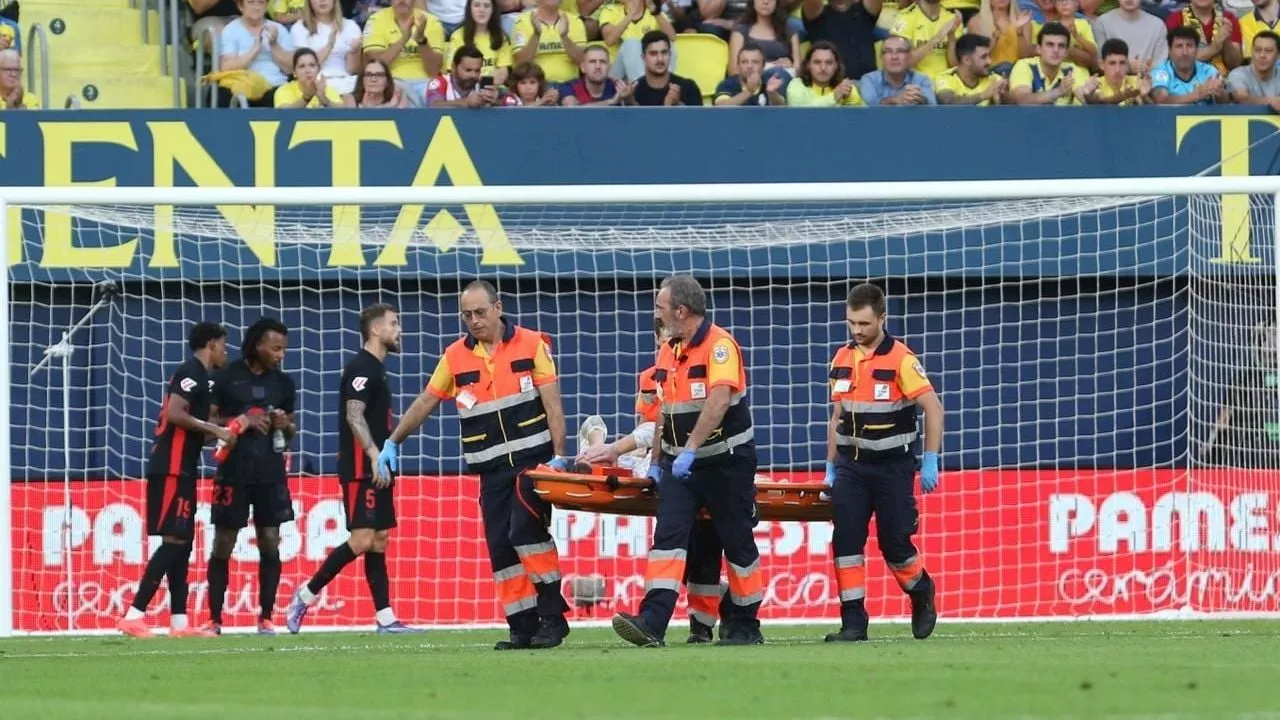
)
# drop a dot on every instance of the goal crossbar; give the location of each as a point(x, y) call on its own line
point(694, 193)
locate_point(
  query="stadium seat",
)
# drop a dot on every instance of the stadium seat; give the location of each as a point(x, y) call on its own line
point(557, 66)
point(702, 58)
point(134, 92)
point(89, 25)
point(106, 60)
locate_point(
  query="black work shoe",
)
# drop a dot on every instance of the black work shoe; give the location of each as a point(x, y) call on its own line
point(632, 629)
point(698, 633)
point(552, 631)
point(518, 641)
point(924, 616)
point(740, 636)
point(846, 635)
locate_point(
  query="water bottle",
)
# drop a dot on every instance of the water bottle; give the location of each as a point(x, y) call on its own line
point(277, 438)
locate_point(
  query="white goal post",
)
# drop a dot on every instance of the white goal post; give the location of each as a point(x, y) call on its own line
point(1096, 342)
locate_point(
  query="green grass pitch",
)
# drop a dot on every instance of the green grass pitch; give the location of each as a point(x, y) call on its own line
point(1083, 670)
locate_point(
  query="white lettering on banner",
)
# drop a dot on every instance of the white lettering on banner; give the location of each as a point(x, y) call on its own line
point(1167, 587)
point(90, 599)
point(117, 533)
point(1123, 523)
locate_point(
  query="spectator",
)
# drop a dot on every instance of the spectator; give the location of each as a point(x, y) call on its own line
point(821, 81)
point(286, 12)
point(1082, 50)
point(897, 83)
point(335, 39)
point(462, 87)
point(1116, 86)
point(1049, 79)
point(529, 88)
point(715, 17)
point(10, 35)
point(482, 29)
point(545, 28)
point(622, 24)
point(660, 86)
point(252, 42)
point(749, 87)
point(309, 89)
point(594, 87)
point(1145, 36)
point(849, 25)
point(452, 13)
point(1009, 28)
point(764, 24)
point(931, 34)
point(375, 88)
point(970, 82)
point(12, 96)
point(1257, 82)
point(411, 42)
point(1265, 15)
point(365, 9)
point(225, 10)
point(1218, 33)
point(1182, 79)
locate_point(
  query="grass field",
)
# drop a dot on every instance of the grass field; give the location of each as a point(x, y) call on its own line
point(1085, 670)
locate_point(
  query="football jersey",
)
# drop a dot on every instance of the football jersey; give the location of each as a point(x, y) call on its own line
point(176, 450)
point(238, 390)
point(363, 379)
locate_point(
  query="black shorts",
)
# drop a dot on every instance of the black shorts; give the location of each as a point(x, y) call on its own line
point(368, 507)
point(171, 505)
point(272, 505)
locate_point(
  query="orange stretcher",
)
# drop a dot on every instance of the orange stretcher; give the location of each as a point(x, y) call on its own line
point(613, 490)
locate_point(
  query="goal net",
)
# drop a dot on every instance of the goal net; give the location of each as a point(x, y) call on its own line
point(1108, 367)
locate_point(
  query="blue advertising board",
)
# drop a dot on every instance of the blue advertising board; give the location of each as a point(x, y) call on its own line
point(1056, 340)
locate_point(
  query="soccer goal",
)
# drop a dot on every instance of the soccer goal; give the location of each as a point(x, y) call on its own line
point(1108, 362)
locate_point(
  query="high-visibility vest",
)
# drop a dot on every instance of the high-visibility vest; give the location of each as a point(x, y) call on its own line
point(506, 423)
point(682, 372)
point(877, 420)
point(647, 404)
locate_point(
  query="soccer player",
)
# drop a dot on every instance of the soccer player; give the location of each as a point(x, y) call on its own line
point(253, 474)
point(877, 388)
point(171, 480)
point(364, 422)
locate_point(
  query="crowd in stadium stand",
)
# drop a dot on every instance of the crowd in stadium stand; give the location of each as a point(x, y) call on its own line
point(481, 53)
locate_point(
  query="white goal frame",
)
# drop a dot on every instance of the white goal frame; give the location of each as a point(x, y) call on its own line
point(1125, 189)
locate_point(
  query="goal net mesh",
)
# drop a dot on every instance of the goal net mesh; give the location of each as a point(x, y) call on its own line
point(1108, 368)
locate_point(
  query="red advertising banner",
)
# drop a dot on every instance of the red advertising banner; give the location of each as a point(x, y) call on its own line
point(1001, 544)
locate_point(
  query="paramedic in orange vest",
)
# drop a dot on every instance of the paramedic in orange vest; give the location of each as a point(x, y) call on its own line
point(705, 457)
point(878, 386)
point(503, 381)
point(702, 572)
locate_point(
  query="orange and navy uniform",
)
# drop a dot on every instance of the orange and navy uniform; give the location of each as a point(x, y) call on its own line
point(647, 403)
point(686, 374)
point(877, 396)
point(505, 432)
point(721, 481)
point(876, 436)
point(504, 423)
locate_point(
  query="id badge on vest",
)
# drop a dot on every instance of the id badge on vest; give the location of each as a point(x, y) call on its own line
point(882, 391)
point(842, 386)
point(466, 400)
point(526, 383)
point(698, 391)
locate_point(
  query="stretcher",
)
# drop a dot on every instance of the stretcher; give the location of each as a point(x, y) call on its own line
point(613, 490)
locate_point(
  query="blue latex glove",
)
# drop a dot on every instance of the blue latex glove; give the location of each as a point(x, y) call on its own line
point(559, 464)
point(830, 478)
point(683, 464)
point(929, 472)
point(655, 474)
point(389, 458)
